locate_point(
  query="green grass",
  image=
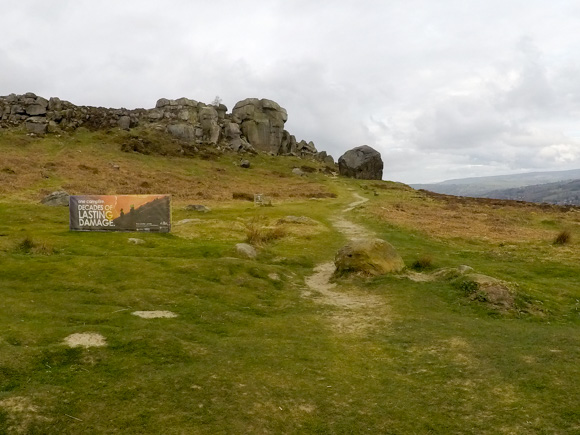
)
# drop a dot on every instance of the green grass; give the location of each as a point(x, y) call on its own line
point(248, 352)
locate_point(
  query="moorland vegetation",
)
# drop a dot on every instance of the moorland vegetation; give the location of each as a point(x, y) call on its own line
point(277, 344)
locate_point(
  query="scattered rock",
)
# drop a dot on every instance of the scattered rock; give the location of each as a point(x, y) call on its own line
point(484, 288)
point(246, 250)
point(298, 171)
point(362, 162)
point(136, 241)
point(274, 276)
point(58, 198)
point(86, 339)
point(245, 164)
point(368, 257)
point(198, 207)
point(154, 314)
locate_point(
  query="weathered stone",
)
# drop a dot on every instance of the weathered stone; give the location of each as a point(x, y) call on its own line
point(186, 102)
point(233, 136)
point(208, 118)
point(58, 198)
point(368, 257)
point(135, 241)
point(361, 162)
point(35, 110)
point(262, 123)
point(162, 102)
point(298, 171)
point(246, 250)
point(245, 164)
point(37, 125)
point(155, 114)
point(124, 122)
point(182, 131)
point(198, 207)
point(55, 104)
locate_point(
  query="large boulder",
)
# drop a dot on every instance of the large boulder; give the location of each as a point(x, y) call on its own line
point(362, 162)
point(262, 123)
point(368, 257)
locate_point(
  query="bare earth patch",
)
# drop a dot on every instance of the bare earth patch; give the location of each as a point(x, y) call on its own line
point(85, 339)
point(22, 413)
point(154, 314)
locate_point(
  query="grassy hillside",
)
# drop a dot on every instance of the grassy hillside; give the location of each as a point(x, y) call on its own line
point(563, 193)
point(253, 349)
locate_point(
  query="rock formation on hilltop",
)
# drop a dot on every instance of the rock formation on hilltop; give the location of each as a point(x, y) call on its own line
point(361, 162)
point(254, 124)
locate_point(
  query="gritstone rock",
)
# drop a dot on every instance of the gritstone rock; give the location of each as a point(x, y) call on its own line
point(198, 207)
point(262, 123)
point(361, 162)
point(246, 250)
point(58, 198)
point(368, 257)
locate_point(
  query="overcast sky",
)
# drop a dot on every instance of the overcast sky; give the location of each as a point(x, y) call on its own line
point(443, 89)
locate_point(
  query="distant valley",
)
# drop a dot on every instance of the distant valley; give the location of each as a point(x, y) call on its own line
point(555, 187)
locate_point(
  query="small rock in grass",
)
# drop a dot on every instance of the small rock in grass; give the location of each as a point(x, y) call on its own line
point(154, 314)
point(135, 241)
point(245, 164)
point(246, 250)
point(198, 207)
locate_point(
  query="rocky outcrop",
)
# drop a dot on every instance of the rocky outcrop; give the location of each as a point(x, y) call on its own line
point(254, 124)
point(362, 162)
point(262, 123)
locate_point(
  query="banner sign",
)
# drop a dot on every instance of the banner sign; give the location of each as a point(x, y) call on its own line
point(120, 213)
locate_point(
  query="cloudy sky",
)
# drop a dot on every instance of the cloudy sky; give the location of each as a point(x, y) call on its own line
point(443, 89)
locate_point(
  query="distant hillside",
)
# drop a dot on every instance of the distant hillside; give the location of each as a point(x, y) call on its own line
point(487, 187)
point(562, 193)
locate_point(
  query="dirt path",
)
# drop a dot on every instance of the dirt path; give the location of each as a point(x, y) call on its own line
point(354, 310)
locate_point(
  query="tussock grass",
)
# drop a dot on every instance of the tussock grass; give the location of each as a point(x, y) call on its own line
point(258, 233)
point(423, 263)
point(563, 238)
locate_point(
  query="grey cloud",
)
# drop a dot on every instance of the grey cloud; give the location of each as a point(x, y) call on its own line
point(440, 88)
